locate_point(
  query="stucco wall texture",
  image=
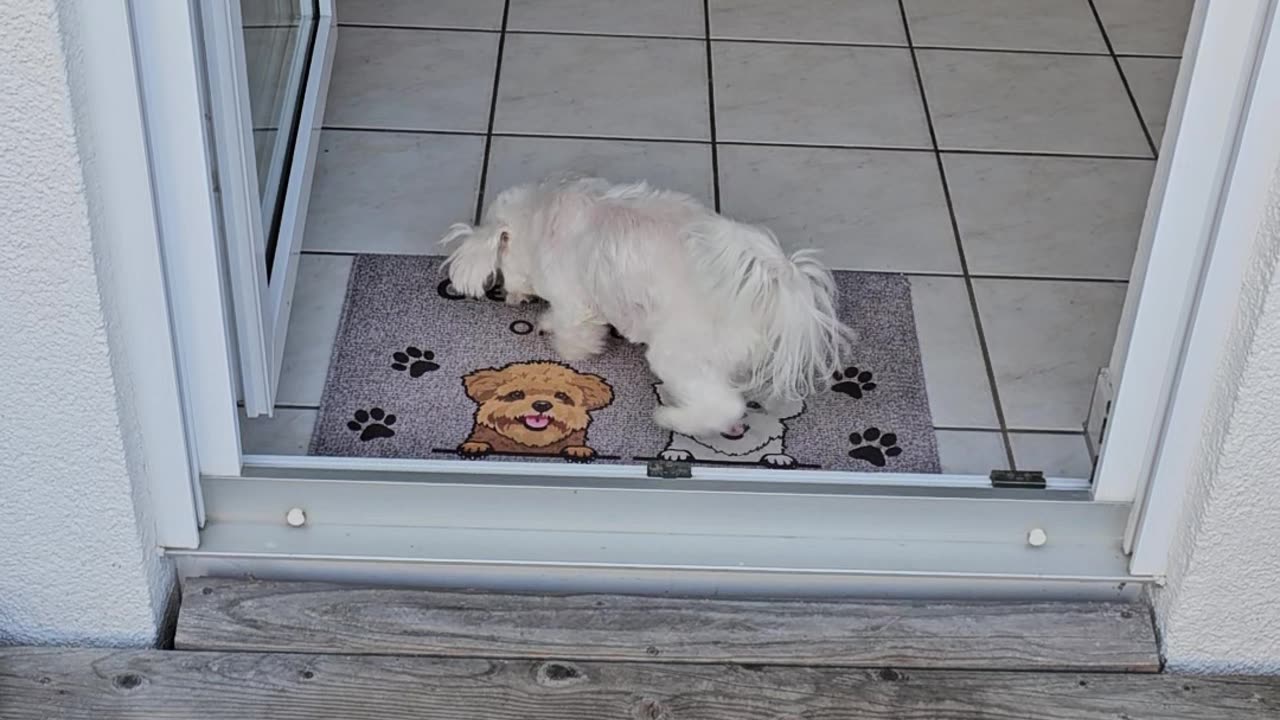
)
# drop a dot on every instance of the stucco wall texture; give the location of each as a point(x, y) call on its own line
point(1220, 609)
point(76, 566)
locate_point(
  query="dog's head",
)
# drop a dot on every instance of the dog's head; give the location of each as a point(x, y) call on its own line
point(536, 403)
point(763, 423)
point(486, 249)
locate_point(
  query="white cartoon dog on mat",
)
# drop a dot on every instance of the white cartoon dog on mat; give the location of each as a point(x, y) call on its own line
point(760, 437)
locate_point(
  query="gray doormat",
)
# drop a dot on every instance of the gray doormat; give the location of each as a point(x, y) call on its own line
point(418, 372)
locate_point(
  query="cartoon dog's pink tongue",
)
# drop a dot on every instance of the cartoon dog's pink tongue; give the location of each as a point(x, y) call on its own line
point(536, 422)
point(736, 431)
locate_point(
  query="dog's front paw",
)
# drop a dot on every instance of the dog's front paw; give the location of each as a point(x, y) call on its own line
point(779, 460)
point(471, 449)
point(578, 453)
point(676, 455)
point(516, 298)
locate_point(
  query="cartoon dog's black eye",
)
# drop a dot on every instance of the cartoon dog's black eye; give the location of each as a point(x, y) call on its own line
point(564, 398)
point(513, 396)
point(753, 405)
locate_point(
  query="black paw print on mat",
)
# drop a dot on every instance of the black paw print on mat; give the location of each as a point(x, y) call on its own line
point(853, 382)
point(873, 446)
point(372, 423)
point(417, 362)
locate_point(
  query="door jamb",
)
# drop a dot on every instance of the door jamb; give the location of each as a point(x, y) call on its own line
point(126, 228)
point(1252, 151)
point(167, 63)
point(1175, 246)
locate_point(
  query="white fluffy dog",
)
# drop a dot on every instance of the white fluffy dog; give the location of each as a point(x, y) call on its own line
point(724, 313)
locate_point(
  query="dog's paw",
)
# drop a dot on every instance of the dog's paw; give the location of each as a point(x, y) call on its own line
point(471, 449)
point(578, 453)
point(778, 460)
point(676, 455)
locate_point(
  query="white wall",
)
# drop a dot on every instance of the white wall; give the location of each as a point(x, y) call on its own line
point(1220, 611)
point(76, 565)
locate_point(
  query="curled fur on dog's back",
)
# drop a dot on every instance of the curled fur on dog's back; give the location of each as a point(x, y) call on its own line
point(793, 297)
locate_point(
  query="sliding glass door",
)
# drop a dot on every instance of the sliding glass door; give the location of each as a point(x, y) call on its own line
point(278, 36)
point(266, 68)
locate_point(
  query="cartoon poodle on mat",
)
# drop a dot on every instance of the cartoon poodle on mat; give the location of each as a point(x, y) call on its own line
point(533, 408)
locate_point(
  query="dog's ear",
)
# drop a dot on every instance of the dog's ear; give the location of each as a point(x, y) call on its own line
point(596, 392)
point(482, 385)
point(473, 263)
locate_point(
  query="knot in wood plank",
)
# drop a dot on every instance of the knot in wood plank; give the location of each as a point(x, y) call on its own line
point(558, 674)
point(647, 708)
point(126, 681)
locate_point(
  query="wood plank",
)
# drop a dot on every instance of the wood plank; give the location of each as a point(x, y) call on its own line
point(160, 685)
point(308, 617)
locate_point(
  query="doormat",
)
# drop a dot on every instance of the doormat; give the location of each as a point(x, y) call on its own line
point(420, 372)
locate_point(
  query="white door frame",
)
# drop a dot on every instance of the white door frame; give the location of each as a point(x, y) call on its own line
point(1208, 107)
point(127, 231)
point(1251, 156)
point(168, 74)
point(1187, 198)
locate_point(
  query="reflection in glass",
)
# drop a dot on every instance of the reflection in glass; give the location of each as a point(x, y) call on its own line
point(277, 39)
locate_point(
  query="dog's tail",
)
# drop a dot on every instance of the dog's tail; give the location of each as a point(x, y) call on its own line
point(793, 297)
point(475, 261)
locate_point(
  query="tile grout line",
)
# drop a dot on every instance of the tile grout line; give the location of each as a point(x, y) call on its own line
point(493, 113)
point(711, 107)
point(742, 143)
point(1012, 430)
point(955, 229)
point(1004, 276)
point(758, 41)
point(1124, 80)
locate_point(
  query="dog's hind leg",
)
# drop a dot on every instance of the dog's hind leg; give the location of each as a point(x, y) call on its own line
point(576, 334)
point(702, 402)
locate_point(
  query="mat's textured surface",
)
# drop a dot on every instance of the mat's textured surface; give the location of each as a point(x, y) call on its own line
point(414, 368)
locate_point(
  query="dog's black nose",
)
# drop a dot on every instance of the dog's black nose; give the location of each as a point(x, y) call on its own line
point(542, 406)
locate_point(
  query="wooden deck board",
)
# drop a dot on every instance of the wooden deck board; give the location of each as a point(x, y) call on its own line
point(317, 618)
point(168, 685)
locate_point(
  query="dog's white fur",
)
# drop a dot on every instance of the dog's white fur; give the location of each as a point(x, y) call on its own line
point(721, 308)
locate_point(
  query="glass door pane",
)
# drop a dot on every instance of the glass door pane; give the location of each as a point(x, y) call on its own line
point(278, 35)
